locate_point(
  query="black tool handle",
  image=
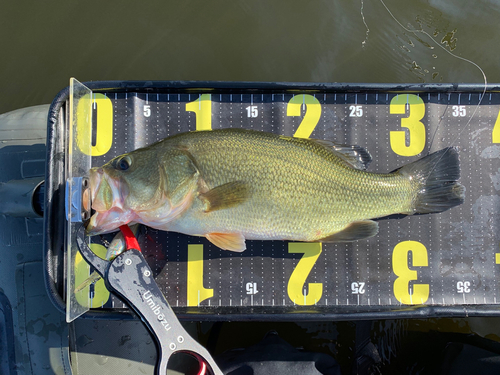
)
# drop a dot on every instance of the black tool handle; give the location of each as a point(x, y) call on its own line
point(130, 276)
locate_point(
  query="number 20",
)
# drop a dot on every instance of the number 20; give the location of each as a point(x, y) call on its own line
point(311, 117)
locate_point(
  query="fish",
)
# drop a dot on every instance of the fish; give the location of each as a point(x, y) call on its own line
point(233, 185)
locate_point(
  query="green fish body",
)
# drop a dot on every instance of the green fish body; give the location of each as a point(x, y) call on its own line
point(230, 185)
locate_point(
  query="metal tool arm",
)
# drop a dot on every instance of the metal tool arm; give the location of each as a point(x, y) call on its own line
point(130, 276)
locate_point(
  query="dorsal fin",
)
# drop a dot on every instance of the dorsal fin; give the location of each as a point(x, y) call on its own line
point(356, 156)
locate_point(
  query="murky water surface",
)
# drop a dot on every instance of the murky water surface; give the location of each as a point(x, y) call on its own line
point(44, 44)
point(320, 41)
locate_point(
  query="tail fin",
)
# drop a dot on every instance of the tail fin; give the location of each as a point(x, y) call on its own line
point(437, 174)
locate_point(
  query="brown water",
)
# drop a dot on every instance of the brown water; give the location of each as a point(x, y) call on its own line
point(44, 44)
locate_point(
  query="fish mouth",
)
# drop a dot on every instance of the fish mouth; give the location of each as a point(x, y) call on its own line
point(106, 222)
point(108, 213)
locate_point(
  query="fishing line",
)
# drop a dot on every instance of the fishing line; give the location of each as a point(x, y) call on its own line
point(414, 31)
point(481, 96)
point(363, 43)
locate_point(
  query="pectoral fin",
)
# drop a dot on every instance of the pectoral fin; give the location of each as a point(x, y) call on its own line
point(357, 230)
point(228, 241)
point(225, 196)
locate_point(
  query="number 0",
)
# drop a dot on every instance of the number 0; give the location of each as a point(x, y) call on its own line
point(104, 126)
point(81, 270)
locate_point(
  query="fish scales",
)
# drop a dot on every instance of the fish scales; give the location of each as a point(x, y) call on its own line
point(299, 188)
point(235, 184)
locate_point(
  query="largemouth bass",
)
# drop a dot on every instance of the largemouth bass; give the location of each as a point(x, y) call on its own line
point(233, 185)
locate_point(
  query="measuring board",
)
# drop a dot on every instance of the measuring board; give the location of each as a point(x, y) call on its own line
point(449, 259)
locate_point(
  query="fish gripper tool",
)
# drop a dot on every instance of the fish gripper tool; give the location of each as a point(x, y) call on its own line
point(130, 277)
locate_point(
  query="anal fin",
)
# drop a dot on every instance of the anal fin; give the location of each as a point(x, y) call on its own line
point(228, 241)
point(357, 230)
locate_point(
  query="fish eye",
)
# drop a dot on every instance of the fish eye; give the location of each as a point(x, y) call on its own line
point(123, 163)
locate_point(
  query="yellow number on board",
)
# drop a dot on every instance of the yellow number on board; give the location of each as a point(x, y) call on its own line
point(311, 117)
point(405, 274)
point(415, 127)
point(104, 124)
point(101, 294)
point(196, 292)
point(299, 275)
point(202, 107)
point(496, 130)
point(311, 251)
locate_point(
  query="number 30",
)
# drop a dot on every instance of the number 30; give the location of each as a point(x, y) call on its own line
point(415, 127)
